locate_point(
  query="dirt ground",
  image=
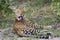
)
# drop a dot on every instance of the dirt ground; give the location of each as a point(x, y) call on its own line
point(7, 34)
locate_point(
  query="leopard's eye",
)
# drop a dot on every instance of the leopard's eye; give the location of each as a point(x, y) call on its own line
point(19, 17)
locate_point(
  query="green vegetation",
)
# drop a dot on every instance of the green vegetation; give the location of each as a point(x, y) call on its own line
point(4, 6)
point(42, 12)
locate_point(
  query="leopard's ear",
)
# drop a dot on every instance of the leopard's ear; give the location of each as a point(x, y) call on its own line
point(19, 8)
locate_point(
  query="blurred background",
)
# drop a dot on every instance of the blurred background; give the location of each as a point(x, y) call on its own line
point(43, 13)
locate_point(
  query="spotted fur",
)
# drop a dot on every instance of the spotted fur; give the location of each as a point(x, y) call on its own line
point(22, 27)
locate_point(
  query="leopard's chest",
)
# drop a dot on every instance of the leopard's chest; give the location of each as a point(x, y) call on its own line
point(20, 25)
